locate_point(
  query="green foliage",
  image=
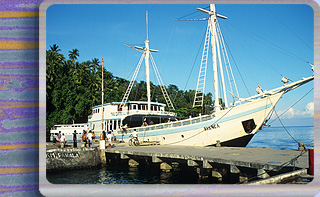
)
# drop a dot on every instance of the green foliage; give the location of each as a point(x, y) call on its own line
point(73, 88)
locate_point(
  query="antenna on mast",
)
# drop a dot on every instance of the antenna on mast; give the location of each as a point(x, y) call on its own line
point(147, 23)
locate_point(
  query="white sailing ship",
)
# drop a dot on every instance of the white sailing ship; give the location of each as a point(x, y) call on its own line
point(230, 125)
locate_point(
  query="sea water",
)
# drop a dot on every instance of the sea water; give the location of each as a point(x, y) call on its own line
point(269, 137)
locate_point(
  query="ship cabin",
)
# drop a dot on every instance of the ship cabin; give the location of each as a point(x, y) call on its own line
point(132, 114)
point(68, 130)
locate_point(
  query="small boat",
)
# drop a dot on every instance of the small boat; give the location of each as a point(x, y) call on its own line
point(231, 124)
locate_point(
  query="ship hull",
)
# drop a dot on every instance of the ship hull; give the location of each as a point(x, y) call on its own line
point(230, 127)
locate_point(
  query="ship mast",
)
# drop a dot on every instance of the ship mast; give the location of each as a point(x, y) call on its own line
point(146, 60)
point(146, 55)
point(212, 28)
point(102, 108)
point(212, 23)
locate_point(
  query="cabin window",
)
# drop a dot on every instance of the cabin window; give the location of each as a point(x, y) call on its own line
point(249, 125)
point(134, 107)
point(139, 107)
point(143, 107)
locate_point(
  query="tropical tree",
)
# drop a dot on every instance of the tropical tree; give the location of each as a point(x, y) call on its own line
point(73, 54)
point(73, 88)
point(95, 63)
point(55, 48)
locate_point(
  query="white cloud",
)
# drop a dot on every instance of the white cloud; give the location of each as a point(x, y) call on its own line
point(307, 112)
point(309, 109)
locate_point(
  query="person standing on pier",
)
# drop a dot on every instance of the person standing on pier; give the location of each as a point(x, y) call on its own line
point(103, 140)
point(59, 136)
point(109, 138)
point(90, 138)
point(75, 139)
point(63, 138)
point(84, 138)
point(62, 141)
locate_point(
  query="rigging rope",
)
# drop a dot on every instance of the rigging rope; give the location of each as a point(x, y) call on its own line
point(192, 13)
point(278, 117)
point(194, 63)
point(264, 62)
point(287, 27)
point(285, 128)
point(284, 51)
point(293, 104)
point(237, 68)
point(285, 164)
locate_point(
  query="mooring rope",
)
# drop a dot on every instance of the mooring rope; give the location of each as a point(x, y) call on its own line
point(278, 117)
point(285, 164)
point(293, 104)
point(285, 128)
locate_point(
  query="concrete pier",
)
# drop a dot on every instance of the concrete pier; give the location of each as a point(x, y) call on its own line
point(231, 164)
point(223, 164)
point(61, 159)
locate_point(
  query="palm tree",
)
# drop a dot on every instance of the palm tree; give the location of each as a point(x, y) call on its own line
point(74, 54)
point(54, 48)
point(95, 64)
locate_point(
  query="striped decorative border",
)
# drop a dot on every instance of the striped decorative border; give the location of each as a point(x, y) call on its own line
point(20, 104)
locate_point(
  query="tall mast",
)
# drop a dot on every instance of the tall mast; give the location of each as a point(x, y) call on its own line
point(146, 58)
point(212, 21)
point(102, 108)
point(146, 53)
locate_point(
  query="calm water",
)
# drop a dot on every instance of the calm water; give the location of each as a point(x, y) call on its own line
point(272, 137)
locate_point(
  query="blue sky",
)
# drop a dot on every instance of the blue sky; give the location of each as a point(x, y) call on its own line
point(266, 41)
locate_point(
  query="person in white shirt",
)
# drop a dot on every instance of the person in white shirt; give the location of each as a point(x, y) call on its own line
point(134, 135)
point(62, 141)
point(89, 136)
point(63, 138)
point(109, 139)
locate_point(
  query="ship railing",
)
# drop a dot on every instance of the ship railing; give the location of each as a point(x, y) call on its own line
point(120, 113)
point(173, 124)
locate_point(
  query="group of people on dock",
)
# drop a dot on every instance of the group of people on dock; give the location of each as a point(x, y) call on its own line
point(86, 138)
point(106, 137)
point(60, 139)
